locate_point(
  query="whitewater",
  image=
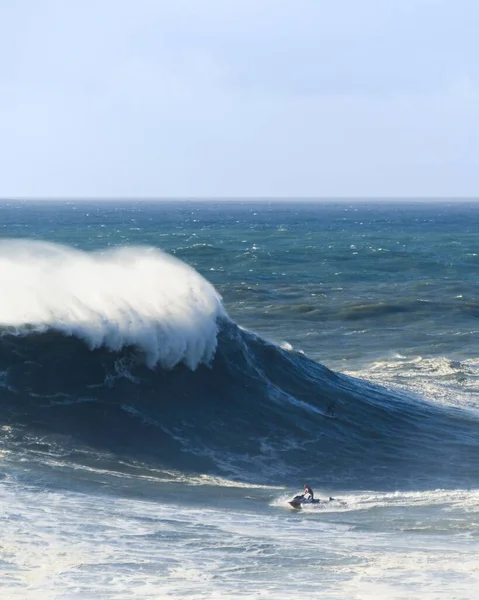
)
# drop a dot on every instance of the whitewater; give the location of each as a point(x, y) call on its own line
point(130, 296)
point(171, 374)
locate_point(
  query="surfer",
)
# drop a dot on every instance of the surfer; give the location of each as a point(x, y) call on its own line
point(308, 492)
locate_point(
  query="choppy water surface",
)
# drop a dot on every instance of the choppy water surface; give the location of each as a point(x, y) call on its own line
point(157, 414)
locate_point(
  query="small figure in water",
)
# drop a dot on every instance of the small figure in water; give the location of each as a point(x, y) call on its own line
point(308, 492)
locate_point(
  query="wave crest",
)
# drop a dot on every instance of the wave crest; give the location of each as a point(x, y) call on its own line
point(133, 296)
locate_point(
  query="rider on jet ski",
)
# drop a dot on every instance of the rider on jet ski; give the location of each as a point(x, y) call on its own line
point(308, 492)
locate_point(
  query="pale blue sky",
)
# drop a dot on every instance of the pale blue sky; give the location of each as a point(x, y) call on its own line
point(151, 98)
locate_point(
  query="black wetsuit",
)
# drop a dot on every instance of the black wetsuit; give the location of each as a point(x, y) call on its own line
point(308, 490)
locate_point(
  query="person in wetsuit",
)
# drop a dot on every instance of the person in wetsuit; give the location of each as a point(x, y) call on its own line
point(308, 492)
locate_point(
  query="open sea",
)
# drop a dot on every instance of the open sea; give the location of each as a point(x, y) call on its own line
point(172, 373)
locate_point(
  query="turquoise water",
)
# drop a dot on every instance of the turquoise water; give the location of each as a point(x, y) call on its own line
point(365, 280)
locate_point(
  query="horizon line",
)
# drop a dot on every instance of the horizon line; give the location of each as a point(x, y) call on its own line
point(238, 198)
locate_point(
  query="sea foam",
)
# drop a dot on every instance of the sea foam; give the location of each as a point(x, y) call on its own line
point(131, 296)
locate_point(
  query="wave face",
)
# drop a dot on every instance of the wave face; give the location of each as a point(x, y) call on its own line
point(128, 355)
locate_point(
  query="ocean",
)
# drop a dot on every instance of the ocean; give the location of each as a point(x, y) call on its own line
point(172, 373)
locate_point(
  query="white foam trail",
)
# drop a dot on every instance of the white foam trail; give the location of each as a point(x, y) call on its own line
point(114, 298)
point(441, 380)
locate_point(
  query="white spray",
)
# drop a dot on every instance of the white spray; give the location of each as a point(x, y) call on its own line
point(114, 298)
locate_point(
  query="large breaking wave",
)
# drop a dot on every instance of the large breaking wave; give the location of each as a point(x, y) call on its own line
point(116, 298)
point(129, 353)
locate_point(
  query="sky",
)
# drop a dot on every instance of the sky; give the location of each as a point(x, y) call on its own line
point(239, 98)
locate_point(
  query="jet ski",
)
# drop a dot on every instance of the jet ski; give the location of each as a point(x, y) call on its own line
point(299, 501)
